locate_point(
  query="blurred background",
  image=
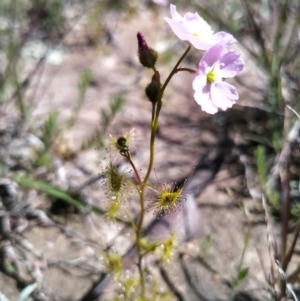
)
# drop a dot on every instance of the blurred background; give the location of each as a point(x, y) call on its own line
point(70, 76)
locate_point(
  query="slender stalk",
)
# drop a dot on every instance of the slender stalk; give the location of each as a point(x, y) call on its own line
point(154, 125)
point(129, 158)
point(139, 226)
point(152, 140)
point(142, 205)
point(161, 92)
point(186, 69)
point(154, 121)
point(153, 112)
point(174, 70)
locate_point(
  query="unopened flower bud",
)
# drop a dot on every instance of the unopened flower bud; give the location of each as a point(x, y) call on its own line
point(147, 56)
point(152, 90)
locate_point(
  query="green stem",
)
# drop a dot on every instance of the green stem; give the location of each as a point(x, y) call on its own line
point(154, 126)
point(153, 112)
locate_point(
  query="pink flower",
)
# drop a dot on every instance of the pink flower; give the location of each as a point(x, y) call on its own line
point(211, 92)
point(195, 30)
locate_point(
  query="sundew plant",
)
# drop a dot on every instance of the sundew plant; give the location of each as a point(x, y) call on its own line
point(131, 226)
point(213, 93)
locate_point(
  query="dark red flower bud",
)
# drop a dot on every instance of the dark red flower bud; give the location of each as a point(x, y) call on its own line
point(147, 56)
point(152, 90)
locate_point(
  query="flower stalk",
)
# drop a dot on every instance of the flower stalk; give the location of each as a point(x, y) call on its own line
point(154, 125)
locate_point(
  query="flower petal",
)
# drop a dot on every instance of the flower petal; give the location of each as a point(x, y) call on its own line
point(231, 64)
point(212, 56)
point(201, 44)
point(200, 34)
point(179, 29)
point(191, 28)
point(199, 82)
point(200, 31)
point(196, 25)
point(203, 98)
point(174, 14)
point(223, 38)
point(223, 95)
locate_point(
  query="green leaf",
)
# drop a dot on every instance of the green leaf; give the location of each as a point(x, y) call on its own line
point(84, 81)
point(261, 162)
point(116, 104)
point(49, 129)
point(242, 274)
point(246, 237)
point(56, 193)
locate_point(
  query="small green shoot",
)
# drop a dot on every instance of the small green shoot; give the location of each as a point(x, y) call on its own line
point(49, 132)
point(85, 80)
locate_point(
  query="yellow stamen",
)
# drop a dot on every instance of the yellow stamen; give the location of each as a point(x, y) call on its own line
point(211, 77)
